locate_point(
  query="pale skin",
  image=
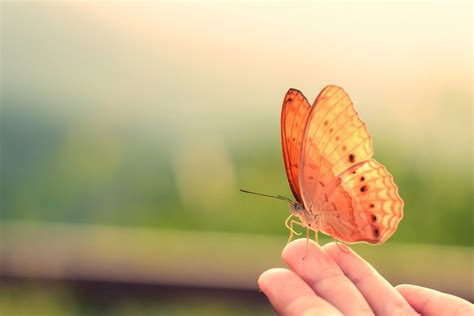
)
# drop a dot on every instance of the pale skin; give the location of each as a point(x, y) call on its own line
point(334, 280)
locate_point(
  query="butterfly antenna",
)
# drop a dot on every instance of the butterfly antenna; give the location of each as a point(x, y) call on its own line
point(280, 197)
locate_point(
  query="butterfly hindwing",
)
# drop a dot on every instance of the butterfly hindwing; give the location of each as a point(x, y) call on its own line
point(375, 210)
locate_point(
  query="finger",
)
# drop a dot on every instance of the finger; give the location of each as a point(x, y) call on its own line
point(430, 302)
point(381, 296)
point(325, 277)
point(290, 295)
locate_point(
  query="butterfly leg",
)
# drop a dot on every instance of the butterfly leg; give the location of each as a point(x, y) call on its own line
point(338, 243)
point(290, 238)
point(292, 231)
point(307, 241)
point(290, 227)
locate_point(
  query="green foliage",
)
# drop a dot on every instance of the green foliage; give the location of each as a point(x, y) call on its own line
point(65, 169)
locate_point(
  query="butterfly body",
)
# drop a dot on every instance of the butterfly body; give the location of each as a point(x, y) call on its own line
point(338, 188)
point(309, 218)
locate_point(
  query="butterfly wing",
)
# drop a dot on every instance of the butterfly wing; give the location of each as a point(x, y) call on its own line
point(375, 210)
point(336, 143)
point(334, 140)
point(294, 115)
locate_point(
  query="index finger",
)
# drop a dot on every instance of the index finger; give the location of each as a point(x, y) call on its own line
point(318, 269)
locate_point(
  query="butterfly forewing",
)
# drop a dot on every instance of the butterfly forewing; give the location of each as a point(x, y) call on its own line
point(293, 119)
point(335, 139)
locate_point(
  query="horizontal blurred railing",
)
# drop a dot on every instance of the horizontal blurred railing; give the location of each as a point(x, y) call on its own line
point(200, 259)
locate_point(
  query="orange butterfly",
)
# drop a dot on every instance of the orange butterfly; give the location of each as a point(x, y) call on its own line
point(338, 188)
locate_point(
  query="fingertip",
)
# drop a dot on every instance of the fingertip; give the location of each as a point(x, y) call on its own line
point(298, 248)
point(290, 246)
point(307, 259)
point(404, 287)
point(429, 301)
point(334, 248)
point(271, 276)
point(341, 253)
point(348, 260)
point(411, 291)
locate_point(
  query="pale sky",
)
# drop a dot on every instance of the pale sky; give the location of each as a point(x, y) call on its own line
point(212, 67)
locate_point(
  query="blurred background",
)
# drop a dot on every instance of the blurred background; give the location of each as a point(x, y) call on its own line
point(127, 129)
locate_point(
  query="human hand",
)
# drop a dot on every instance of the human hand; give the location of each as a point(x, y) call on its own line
point(330, 281)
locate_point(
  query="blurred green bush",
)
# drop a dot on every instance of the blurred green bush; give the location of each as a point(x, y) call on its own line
point(64, 169)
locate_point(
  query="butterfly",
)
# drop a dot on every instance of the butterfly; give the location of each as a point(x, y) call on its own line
point(339, 189)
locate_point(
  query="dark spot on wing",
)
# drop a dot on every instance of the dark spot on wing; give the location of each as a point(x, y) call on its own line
point(363, 188)
point(376, 232)
point(351, 158)
point(374, 218)
point(362, 178)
